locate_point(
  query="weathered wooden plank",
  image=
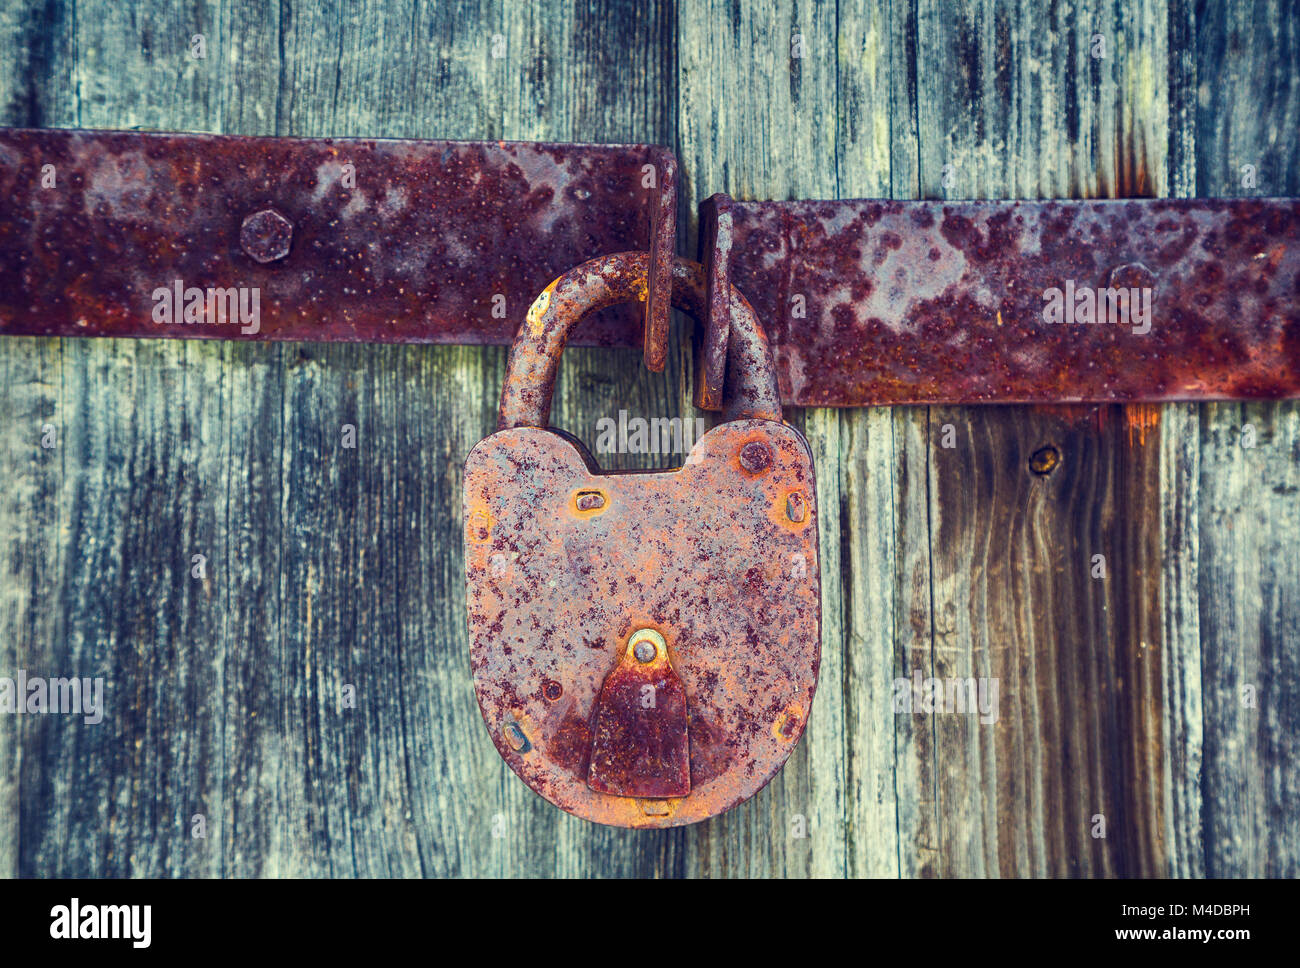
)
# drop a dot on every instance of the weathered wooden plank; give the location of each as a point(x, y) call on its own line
point(1182, 713)
point(256, 749)
point(1180, 523)
point(1232, 587)
point(1250, 626)
point(874, 104)
point(30, 46)
point(1012, 103)
point(125, 609)
point(910, 613)
point(1019, 598)
point(41, 47)
point(126, 491)
point(29, 520)
point(912, 633)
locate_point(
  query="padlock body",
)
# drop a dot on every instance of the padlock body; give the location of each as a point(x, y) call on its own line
point(564, 563)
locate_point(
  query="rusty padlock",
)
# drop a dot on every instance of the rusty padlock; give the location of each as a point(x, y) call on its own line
point(644, 645)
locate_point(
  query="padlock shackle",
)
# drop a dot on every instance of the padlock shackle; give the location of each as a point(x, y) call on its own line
point(751, 389)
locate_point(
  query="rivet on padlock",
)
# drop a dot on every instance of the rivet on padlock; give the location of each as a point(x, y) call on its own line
point(659, 631)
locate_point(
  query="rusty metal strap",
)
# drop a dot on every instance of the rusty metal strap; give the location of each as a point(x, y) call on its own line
point(865, 302)
point(898, 302)
point(342, 240)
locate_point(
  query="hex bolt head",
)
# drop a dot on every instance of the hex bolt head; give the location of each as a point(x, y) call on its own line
point(755, 457)
point(1130, 275)
point(266, 236)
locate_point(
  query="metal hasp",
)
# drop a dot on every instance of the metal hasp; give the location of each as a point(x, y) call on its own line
point(644, 645)
point(903, 302)
point(359, 240)
point(866, 302)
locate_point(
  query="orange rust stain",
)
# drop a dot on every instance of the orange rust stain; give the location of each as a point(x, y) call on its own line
point(659, 808)
point(787, 724)
point(1141, 418)
point(535, 318)
point(479, 524)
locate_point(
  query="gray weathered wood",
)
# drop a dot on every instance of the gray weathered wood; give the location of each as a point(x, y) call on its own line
point(1232, 583)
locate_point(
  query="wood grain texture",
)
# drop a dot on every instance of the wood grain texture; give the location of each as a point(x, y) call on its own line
point(1020, 101)
point(1232, 588)
point(328, 566)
